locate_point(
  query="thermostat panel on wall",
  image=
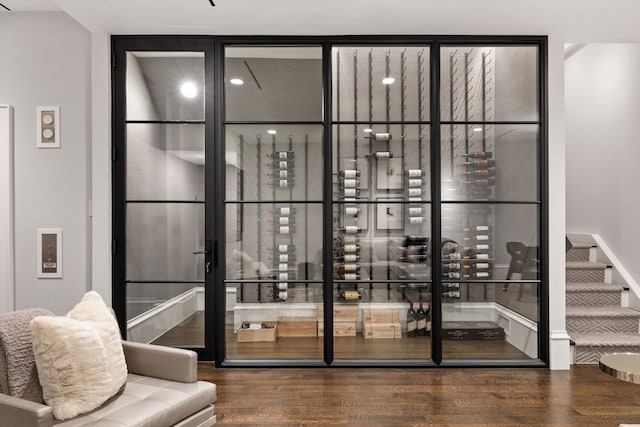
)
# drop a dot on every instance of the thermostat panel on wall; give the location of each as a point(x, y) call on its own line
point(48, 120)
point(50, 253)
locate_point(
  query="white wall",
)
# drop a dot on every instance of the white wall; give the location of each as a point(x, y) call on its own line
point(602, 93)
point(46, 59)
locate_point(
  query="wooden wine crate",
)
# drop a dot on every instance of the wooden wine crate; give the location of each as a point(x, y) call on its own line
point(257, 335)
point(341, 312)
point(297, 327)
point(481, 331)
point(379, 315)
point(388, 330)
point(340, 329)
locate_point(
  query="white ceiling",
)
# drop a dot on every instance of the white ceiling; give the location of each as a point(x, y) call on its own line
point(577, 20)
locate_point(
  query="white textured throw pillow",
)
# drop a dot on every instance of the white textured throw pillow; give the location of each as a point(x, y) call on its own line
point(79, 358)
point(72, 365)
point(93, 310)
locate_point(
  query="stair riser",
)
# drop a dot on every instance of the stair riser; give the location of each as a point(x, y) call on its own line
point(602, 325)
point(580, 254)
point(591, 354)
point(593, 299)
point(585, 276)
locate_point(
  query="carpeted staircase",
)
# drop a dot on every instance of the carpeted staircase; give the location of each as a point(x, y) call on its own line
point(596, 320)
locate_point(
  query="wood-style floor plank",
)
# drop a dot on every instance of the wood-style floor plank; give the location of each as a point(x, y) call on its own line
point(582, 396)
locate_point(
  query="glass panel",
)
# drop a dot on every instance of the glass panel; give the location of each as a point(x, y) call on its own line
point(166, 313)
point(162, 239)
point(490, 162)
point(273, 83)
point(490, 242)
point(165, 161)
point(285, 165)
point(274, 241)
point(396, 165)
point(382, 83)
point(262, 326)
point(165, 86)
point(489, 83)
point(386, 240)
point(378, 330)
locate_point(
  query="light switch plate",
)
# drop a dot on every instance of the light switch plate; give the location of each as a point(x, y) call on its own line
point(49, 253)
point(48, 121)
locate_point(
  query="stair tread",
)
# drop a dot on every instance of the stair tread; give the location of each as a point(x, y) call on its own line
point(585, 265)
point(619, 339)
point(593, 287)
point(581, 246)
point(604, 311)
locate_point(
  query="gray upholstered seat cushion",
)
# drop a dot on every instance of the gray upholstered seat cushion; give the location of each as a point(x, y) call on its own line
point(151, 402)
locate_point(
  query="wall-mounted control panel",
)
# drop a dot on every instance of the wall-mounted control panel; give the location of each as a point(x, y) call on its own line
point(48, 119)
point(50, 253)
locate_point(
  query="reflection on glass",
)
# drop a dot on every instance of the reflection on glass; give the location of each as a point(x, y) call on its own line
point(381, 83)
point(185, 329)
point(165, 86)
point(274, 241)
point(489, 83)
point(382, 241)
point(389, 161)
point(489, 162)
point(162, 239)
point(165, 161)
point(273, 83)
point(274, 162)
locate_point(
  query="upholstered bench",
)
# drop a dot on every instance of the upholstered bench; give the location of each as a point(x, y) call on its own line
point(161, 389)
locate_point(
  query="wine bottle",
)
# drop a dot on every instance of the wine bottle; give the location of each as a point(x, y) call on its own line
point(479, 155)
point(378, 136)
point(349, 258)
point(282, 155)
point(282, 165)
point(477, 266)
point(451, 256)
point(350, 173)
point(351, 248)
point(352, 210)
point(416, 250)
point(285, 229)
point(451, 294)
point(477, 237)
point(380, 154)
point(451, 275)
point(415, 192)
point(449, 247)
point(281, 183)
point(282, 174)
point(286, 257)
point(416, 258)
point(349, 183)
point(477, 256)
point(415, 199)
point(477, 248)
point(284, 220)
point(415, 173)
point(351, 295)
point(351, 229)
point(415, 182)
point(483, 182)
point(415, 211)
point(451, 266)
point(416, 220)
point(451, 286)
point(351, 240)
point(421, 326)
point(284, 248)
point(351, 192)
point(477, 228)
point(428, 318)
point(415, 240)
point(480, 163)
point(477, 275)
point(412, 322)
point(480, 172)
point(284, 211)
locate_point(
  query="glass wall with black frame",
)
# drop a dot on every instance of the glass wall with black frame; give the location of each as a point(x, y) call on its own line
point(273, 202)
point(381, 202)
point(491, 199)
point(164, 214)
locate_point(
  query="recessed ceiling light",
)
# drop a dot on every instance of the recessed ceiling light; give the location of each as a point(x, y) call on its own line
point(236, 81)
point(388, 80)
point(477, 129)
point(189, 90)
point(271, 132)
point(368, 130)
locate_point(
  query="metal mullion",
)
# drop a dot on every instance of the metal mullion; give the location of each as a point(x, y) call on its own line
point(490, 281)
point(270, 281)
point(380, 122)
point(492, 202)
point(273, 122)
point(489, 122)
point(168, 202)
point(165, 122)
point(165, 281)
point(376, 202)
point(271, 202)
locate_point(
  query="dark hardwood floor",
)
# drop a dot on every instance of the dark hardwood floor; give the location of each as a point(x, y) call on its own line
point(582, 396)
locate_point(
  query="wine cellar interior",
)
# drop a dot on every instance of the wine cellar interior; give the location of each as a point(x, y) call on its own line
point(412, 217)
